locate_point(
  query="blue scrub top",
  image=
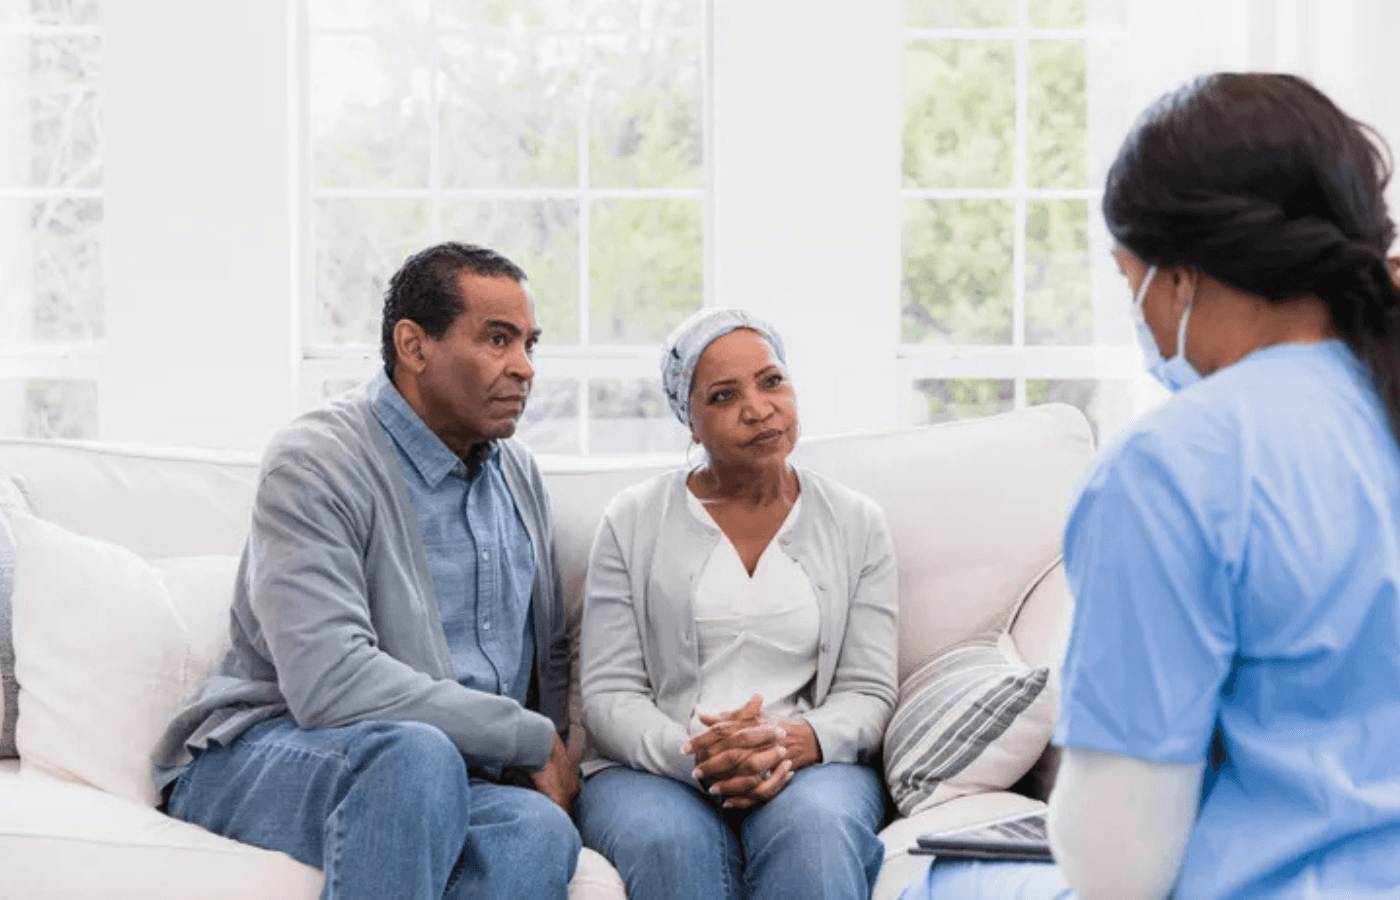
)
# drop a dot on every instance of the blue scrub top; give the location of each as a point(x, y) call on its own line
point(1235, 559)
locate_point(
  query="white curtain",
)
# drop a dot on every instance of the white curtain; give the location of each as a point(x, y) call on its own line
point(1349, 48)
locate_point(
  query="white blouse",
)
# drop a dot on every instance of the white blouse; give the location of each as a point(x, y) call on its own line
point(755, 634)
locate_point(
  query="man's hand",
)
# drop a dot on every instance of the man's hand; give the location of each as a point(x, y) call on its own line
point(557, 779)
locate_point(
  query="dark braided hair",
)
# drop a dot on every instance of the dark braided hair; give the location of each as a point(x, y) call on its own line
point(1261, 182)
point(425, 290)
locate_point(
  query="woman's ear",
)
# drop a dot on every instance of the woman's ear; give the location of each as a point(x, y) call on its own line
point(1185, 282)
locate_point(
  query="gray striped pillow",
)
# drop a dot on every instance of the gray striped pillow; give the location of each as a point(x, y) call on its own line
point(12, 496)
point(972, 719)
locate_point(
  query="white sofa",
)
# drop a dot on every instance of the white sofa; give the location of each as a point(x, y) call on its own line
point(976, 509)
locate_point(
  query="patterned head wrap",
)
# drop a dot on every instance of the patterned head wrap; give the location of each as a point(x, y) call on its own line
point(683, 347)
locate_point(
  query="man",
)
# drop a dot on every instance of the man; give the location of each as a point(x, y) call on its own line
point(399, 662)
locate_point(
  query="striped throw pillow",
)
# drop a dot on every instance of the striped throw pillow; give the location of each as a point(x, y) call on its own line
point(12, 496)
point(972, 719)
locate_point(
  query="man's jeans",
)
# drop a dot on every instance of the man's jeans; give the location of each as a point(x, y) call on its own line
point(816, 839)
point(385, 809)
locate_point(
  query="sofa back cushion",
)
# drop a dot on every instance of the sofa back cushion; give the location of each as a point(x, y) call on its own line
point(156, 502)
point(976, 508)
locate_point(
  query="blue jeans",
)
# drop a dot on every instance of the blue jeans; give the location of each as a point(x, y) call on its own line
point(384, 809)
point(979, 880)
point(816, 839)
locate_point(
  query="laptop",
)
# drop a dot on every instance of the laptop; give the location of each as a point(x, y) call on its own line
point(1019, 837)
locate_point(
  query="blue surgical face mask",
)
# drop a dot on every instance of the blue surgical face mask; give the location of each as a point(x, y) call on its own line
point(1175, 373)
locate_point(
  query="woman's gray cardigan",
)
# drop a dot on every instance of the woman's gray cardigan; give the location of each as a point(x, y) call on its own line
point(640, 665)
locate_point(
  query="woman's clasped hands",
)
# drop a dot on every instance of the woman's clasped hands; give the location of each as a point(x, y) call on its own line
point(748, 759)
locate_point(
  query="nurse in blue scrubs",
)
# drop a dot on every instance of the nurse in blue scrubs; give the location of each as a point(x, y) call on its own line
point(1235, 556)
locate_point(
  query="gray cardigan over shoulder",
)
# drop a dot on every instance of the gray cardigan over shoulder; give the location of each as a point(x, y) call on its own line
point(334, 619)
point(640, 661)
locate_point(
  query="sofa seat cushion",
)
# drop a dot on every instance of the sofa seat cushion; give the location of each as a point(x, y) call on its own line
point(60, 840)
point(973, 719)
point(64, 841)
point(901, 866)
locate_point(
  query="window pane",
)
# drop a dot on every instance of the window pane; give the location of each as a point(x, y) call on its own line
point(946, 399)
point(360, 244)
point(510, 110)
point(539, 236)
point(550, 421)
point(65, 289)
point(49, 409)
point(1057, 13)
point(957, 271)
point(960, 13)
point(1057, 147)
point(645, 268)
point(51, 12)
point(65, 136)
point(1058, 309)
point(556, 14)
point(630, 415)
point(959, 113)
point(610, 14)
point(364, 13)
point(369, 110)
point(646, 117)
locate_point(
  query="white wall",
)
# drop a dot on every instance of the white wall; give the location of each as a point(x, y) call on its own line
point(807, 118)
point(201, 240)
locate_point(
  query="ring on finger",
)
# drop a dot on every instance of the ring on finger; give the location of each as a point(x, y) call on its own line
point(765, 774)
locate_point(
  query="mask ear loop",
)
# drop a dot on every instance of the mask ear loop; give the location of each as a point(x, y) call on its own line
point(1142, 288)
point(1181, 329)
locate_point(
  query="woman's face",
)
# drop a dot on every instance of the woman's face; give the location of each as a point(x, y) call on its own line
point(742, 407)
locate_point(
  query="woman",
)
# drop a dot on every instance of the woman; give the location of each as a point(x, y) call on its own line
point(1235, 557)
point(738, 650)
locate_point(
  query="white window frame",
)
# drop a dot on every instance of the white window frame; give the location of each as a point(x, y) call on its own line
point(203, 201)
point(26, 361)
point(1018, 361)
point(580, 360)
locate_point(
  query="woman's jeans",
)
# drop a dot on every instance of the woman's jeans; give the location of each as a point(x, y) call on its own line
point(816, 839)
point(385, 809)
point(977, 880)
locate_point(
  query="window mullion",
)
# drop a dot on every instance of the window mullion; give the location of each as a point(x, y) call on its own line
point(1018, 254)
point(435, 79)
point(585, 227)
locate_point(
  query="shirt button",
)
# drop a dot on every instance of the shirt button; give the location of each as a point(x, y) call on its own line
point(487, 626)
point(486, 555)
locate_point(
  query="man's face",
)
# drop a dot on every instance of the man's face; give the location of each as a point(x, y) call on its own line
point(476, 377)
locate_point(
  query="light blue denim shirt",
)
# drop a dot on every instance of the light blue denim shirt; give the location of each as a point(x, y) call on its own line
point(479, 554)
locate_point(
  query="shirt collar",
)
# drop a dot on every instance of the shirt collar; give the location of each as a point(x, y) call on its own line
point(429, 455)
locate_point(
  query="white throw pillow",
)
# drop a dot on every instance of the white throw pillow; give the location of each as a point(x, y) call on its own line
point(103, 654)
point(974, 718)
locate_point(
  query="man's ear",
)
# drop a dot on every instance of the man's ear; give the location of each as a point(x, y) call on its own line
point(410, 346)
